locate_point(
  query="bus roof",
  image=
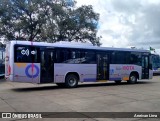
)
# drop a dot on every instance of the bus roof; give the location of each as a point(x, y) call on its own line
point(76, 45)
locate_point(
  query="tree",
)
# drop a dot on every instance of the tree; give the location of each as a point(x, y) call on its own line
point(48, 20)
point(21, 19)
point(2, 45)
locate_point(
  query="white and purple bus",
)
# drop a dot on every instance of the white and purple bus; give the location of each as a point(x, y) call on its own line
point(67, 63)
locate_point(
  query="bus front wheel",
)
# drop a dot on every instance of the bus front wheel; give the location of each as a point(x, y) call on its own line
point(132, 79)
point(71, 81)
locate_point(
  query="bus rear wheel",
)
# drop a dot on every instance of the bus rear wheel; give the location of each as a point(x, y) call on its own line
point(71, 81)
point(132, 79)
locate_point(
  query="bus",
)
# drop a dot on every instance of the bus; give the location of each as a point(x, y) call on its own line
point(2, 67)
point(155, 63)
point(68, 63)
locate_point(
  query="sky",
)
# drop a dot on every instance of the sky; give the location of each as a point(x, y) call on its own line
point(128, 23)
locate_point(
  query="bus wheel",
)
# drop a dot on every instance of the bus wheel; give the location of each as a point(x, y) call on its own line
point(71, 81)
point(60, 84)
point(118, 81)
point(132, 79)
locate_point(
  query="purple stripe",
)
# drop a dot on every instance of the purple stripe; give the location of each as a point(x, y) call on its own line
point(89, 80)
point(113, 79)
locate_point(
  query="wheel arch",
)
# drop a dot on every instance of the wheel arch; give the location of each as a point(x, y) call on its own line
point(136, 73)
point(74, 73)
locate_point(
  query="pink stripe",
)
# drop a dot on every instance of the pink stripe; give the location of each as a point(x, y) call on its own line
point(32, 68)
point(32, 62)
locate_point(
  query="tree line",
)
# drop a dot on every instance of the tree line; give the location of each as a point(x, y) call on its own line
point(48, 20)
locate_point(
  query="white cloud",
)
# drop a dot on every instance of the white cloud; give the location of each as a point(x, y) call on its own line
point(126, 23)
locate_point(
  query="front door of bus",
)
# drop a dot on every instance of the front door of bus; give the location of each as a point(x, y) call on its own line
point(102, 66)
point(47, 66)
point(145, 67)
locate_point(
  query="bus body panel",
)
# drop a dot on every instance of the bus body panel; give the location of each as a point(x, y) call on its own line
point(9, 61)
point(27, 72)
point(123, 71)
point(86, 72)
point(150, 74)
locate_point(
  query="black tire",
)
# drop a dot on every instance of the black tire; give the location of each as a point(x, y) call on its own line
point(118, 81)
point(132, 78)
point(61, 84)
point(71, 81)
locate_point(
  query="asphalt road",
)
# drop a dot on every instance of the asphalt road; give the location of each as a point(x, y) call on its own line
point(101, 97)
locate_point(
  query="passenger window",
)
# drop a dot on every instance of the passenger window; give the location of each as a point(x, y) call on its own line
point(26, 54)
point(88, 57)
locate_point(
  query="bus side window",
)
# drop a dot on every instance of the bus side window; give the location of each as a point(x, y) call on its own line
point(75, 56)
point(119, 57)
point(67, 56)
point(60, 56)
point(135, 58)
point(27, 54)
point(88, 57)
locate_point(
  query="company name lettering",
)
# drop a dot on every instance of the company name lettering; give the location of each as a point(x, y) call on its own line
point(128, 67)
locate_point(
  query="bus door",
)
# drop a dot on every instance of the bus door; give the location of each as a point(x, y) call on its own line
point(102, 66)
point(47, 66)
point(145, 66)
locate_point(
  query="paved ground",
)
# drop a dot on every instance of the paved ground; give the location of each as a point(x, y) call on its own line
point(108, 97)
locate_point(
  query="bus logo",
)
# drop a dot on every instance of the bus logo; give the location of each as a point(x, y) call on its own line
point(33, 52)
point(25, 52)
point(32, 67)
point(6, 115)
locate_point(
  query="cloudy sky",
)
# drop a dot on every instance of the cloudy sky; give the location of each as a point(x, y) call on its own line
point(127, 23)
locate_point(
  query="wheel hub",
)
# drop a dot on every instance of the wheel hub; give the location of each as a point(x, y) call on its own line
point(72, 82)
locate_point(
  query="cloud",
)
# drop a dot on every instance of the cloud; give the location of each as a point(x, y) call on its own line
point(126, 23)
point(126, 6)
